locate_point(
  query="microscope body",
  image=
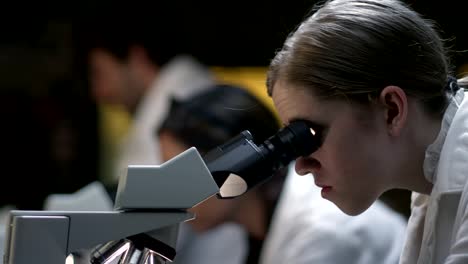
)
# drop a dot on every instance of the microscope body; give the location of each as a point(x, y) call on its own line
point(50, 236)
point(150, 200)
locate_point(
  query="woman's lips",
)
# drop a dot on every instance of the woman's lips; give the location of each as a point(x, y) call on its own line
point(321, 185)
point(326, 189)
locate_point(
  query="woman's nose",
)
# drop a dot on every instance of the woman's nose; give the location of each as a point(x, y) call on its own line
point(305, 165)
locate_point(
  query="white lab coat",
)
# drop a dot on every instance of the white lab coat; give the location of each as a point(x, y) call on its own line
point(226, 244)
point(309, 229)
point(438, 226)
point(180, 78)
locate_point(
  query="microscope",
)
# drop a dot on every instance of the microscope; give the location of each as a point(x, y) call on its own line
point(152, 201)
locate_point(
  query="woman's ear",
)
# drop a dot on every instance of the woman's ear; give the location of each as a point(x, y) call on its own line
point(395, 104)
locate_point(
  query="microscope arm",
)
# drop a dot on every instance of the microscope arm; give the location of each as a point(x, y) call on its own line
point(150, 199)
point(49, 236)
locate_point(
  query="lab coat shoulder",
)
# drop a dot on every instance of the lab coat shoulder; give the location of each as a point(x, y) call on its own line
point(333, 237)
point(438, 226)
point(459, 250)
point(451, 191)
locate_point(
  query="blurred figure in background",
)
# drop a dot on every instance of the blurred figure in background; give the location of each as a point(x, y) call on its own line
point(205, 121)
point(139, 63)
point(270, 223)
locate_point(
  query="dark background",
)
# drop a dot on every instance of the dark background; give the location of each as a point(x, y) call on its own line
point(49, 131)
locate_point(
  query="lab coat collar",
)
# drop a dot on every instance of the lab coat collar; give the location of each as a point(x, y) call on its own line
point(444, 167)
point(432, 154)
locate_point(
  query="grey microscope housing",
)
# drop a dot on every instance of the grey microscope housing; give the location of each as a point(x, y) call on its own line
point(150, 199)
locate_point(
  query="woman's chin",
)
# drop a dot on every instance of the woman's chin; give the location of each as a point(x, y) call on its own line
point(353, 209)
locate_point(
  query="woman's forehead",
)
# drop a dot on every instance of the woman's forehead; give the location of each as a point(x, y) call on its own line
point(294, 103)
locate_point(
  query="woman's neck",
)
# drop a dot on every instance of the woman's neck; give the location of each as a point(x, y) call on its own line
point(425, 132)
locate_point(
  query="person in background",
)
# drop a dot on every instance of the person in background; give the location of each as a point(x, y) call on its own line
point(139, 63)
point(374, 75)
point(274, 222)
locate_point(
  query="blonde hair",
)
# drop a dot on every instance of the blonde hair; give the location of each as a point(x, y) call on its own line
point(355, 48)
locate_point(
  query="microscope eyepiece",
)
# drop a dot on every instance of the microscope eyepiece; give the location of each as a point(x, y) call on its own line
point(297, 139)
point(240, 164)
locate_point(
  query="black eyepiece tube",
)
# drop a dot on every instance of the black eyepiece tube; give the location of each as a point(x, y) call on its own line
point(240, 164)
